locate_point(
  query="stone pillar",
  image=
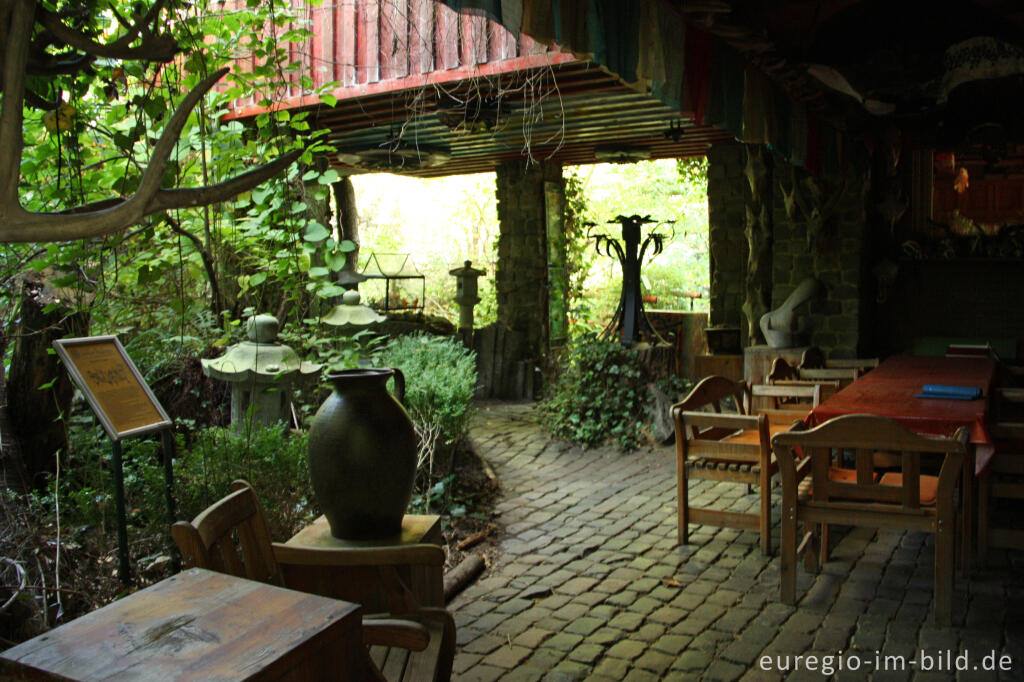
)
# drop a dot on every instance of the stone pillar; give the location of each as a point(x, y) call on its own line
point(521, 275)
point(727, 199)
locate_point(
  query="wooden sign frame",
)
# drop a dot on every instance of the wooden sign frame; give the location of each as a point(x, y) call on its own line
point(115, 389)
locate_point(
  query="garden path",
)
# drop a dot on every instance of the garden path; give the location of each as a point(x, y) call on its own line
point(589, 584)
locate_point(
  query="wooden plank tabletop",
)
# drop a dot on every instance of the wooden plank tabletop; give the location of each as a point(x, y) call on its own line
point(200, 625)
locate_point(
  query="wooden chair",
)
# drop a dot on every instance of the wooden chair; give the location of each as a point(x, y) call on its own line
point(410, 642)
point(814, 366)
point(784, 374)
point(813, 496)
point(722, 446)
point(1005, 477)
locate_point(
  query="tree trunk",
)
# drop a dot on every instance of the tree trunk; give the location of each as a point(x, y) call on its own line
point(37, 415)
point(347, 219)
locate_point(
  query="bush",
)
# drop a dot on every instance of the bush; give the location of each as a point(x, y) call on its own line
point(600, 394)
point(271, 459)
point(440, 375)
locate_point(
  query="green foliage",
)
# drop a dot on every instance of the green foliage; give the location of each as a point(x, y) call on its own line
point(270, 458)
point(599, 394)
point(667, 191)
point(440, 377)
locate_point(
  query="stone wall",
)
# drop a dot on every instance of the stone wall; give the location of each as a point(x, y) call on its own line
point(834, 253)
point(521, 278)
point(832, 249)
point(727, 193)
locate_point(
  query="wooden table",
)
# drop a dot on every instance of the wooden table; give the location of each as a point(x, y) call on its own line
point(890, 390)
point(425, 582)
point(200, 625)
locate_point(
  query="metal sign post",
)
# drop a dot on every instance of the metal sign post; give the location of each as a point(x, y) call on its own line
point(126, 407)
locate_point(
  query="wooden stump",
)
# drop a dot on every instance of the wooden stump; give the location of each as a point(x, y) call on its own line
point(36, 414)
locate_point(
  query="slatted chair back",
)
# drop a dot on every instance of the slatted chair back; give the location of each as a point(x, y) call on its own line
point(814, 366)
point(717, 394)
point(784, 374)
point(814, 496)
point(230, 536)
point(998, 521)
point(789, 396)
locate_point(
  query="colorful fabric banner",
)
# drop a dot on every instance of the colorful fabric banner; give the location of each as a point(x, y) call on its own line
point(725, 91)
point(698, 50)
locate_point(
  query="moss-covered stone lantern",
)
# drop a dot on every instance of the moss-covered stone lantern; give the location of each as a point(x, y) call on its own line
point(466, 292)
point(262, 373)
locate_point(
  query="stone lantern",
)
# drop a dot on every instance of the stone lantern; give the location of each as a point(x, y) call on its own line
point(261, 372)
point(466, 293)
point(351, 315)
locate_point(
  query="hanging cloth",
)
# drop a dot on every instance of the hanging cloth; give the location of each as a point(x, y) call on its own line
point(650, 66)
point(489, 8)
point(758, 107)
point(781, 140)
point(697, 52)
point(539, 21)
point(512, 15)
point(571, 26)
point(670, 24)
point(620, 28)
point(725, 91)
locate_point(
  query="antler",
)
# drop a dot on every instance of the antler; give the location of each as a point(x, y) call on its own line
point(112, 215)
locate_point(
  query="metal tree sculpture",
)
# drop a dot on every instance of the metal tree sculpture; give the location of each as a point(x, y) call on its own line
point(27, 30)
point(629, 321)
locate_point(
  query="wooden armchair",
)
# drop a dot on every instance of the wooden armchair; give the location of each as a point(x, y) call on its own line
point(814, 366)
point(722, 446)
point(409, 642)
point(813, 495)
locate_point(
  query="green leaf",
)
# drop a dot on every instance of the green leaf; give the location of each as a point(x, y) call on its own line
point(347, 246)
point(328, 99)
point(319, 272)
point(257, 279)
point(315, 232)
point(329, 177)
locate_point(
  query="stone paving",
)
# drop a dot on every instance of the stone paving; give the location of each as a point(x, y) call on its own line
point(590, 584)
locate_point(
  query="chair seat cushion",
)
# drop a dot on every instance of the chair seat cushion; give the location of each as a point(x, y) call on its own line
point(929, 486)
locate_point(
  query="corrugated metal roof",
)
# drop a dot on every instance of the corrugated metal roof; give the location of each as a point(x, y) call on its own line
point(410, 70)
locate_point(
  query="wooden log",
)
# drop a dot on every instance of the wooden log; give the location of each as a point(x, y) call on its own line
point(462, 575)
point(36, 414)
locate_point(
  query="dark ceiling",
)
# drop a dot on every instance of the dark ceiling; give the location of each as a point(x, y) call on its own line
point(891, 54)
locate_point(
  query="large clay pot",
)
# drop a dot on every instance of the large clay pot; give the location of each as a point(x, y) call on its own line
point(362, 455)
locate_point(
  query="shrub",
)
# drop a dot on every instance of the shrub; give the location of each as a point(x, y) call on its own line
point(271, 459)
point(440, 375)
point(600, 394)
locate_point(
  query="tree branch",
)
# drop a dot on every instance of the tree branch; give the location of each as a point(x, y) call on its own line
point(154, 47)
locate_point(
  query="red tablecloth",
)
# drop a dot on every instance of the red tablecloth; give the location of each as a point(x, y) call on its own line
point(890, 390)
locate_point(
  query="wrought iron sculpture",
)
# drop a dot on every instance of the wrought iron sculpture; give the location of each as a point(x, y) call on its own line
point(629, 322)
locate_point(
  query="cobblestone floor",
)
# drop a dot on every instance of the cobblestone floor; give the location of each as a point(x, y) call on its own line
point(590, 585)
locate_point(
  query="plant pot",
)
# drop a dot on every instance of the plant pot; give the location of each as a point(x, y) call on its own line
point(362, 455)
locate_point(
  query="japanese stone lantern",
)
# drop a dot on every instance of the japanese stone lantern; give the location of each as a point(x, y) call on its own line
point(466, 292)
point(351, 315)
point(261, 372)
